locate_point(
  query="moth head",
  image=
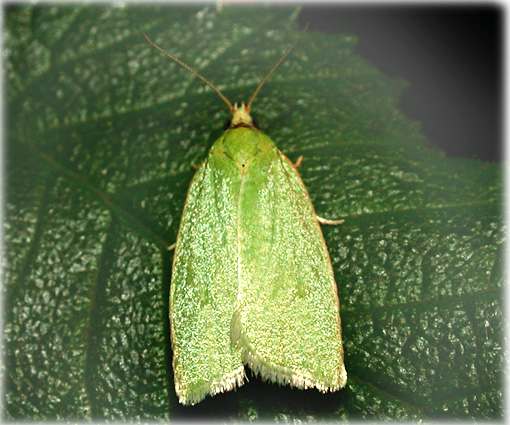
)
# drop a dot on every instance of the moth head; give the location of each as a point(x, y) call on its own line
point(241, 116)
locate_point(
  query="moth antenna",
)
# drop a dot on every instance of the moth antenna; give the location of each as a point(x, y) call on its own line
point(189, 68)
point(254, 95)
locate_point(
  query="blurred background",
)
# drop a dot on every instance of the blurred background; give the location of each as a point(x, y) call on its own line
point(451, 56)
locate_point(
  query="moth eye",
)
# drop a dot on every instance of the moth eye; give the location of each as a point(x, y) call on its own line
point(227, 123)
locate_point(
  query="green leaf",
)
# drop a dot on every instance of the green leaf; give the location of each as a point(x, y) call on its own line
point(102, 131)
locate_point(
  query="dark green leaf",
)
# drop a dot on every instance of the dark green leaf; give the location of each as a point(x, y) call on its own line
point(101, 133)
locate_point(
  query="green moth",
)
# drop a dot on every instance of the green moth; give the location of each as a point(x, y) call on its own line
point(252, 283)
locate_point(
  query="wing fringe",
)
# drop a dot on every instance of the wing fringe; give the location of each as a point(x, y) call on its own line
point(228, 382)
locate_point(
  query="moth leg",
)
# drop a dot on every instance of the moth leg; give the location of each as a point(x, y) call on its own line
point(172, 247)
point(298, 162)
point(195, 166)
point(330, 222)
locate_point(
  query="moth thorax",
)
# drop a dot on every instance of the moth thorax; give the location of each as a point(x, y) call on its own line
point(241, 116)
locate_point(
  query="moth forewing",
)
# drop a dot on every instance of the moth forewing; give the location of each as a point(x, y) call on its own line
point(203, 291)
point(287, 320)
